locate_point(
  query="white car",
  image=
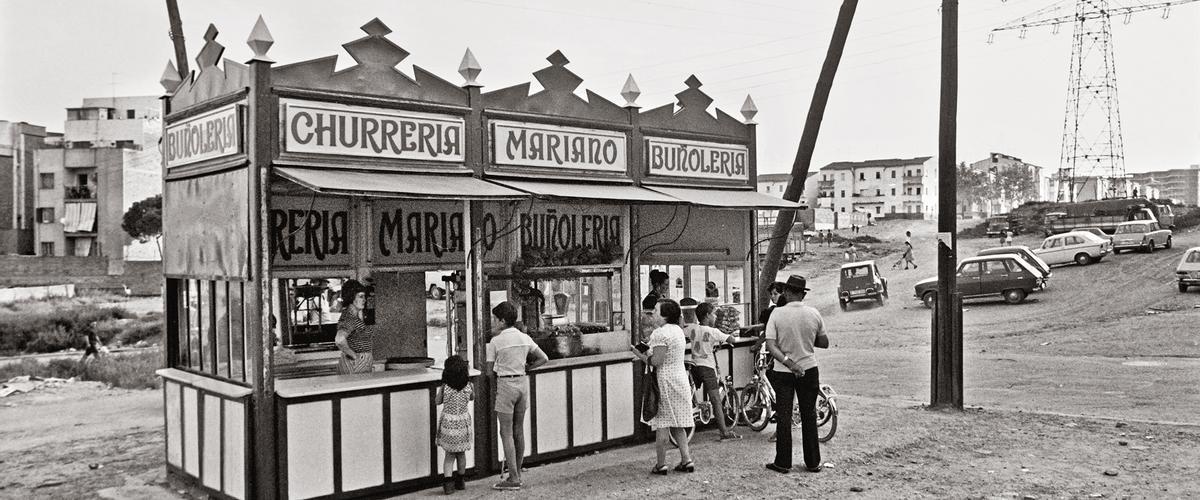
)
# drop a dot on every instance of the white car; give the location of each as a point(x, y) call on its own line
point(1188, 271)
point(1080, 247)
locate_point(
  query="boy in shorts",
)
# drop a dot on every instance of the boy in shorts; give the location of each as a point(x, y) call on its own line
point(702, 337)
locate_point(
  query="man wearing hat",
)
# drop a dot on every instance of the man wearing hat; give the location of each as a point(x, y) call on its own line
point(793, 332)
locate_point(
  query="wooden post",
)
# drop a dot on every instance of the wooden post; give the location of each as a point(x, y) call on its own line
point(261, 119)
point(808, 142)
point(946, 349)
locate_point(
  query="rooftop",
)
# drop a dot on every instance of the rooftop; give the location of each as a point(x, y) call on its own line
point(890, 162)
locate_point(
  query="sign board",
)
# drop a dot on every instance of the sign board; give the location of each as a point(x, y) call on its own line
point(310, 231)
point(344, 130)
point(677, 158)
point(214, 134)
point(570, 235)
point(416, 232)
point(566, 148)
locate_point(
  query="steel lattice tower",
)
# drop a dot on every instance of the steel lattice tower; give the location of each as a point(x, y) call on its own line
point(1092, 144)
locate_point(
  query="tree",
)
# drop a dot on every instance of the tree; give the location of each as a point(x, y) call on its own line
point(143, 221)
point(1017, 183)
point(973, 187)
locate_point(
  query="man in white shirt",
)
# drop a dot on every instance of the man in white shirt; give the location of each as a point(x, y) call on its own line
point(509, 355)
point(794, 331)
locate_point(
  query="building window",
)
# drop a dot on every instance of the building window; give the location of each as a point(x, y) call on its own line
point(893, 191)
point(908, 173)
point(918, 171)
point(843, 209)
point(843, 175)
point(81, 144)
point(878, 174)
point(47, 249)
point(878, 192)
point(893, 174)
point(46, 181)
point(45, 215)
point(130, 114)
point(907, 190)
point(81, 179)
point(862, 176)
point(843, 193)
point(878, 210)
point(918, 190)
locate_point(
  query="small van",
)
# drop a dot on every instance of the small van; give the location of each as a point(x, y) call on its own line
point(861, 281)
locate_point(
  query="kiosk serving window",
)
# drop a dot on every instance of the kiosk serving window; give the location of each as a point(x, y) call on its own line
point(211, 319)
point(313, 308)
point(559, 307)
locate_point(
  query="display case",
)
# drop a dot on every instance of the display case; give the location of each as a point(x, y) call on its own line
point(569, 312)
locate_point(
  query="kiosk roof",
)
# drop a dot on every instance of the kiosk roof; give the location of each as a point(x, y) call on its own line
point(396, 184)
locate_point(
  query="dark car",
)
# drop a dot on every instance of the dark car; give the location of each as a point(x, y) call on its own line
point(861, 281)
point(1025, 253)
point(1006, 275)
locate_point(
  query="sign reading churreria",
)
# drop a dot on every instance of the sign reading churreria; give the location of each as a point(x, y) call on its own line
point(210, 135)
point(696, 160)
point(550, 146)
point(336, 129)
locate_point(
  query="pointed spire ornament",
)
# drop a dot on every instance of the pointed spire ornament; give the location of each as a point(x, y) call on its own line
point(630, 92)
point(170, 79)
point(749, 110)
point(260, 41)
point(469, 68)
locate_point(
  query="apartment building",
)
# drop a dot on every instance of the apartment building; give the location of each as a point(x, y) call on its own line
point(775, 185)
point(1180, 184)
point(107, 159)
point(18, 141)
point(880, 188)
point(1044, 185)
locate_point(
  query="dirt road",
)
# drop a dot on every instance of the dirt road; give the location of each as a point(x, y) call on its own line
point(1090, 389)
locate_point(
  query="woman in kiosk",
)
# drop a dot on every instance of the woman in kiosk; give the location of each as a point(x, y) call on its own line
point(355, 339)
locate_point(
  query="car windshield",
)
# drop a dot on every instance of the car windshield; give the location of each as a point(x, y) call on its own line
point(1194, 257)
point(1131, 228)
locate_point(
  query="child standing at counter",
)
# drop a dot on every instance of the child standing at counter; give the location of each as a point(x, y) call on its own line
point(454, 433)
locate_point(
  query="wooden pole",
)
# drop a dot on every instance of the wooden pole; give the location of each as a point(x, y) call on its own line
point(946, 349)
point(808, 142)
point(176, 34)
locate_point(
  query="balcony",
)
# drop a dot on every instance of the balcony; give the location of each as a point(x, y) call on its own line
point(825, 185)
point(79, 193)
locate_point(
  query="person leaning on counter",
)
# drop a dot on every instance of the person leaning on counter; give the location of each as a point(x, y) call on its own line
point(355, 339)
point(509, 355)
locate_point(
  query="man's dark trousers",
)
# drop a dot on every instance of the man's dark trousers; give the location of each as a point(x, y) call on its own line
point(788, 386)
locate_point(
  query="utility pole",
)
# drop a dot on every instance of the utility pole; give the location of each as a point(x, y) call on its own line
point(946, 350)
point(808, 142)
point(176, 35)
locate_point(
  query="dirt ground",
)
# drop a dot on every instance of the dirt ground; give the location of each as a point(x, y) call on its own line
point(1087, 390)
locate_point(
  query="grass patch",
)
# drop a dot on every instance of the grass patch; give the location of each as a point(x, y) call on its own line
point(129, 370)
point(56, 325)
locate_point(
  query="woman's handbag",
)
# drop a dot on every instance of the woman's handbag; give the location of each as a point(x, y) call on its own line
point(650, 395)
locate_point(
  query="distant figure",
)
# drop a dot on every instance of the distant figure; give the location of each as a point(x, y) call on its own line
point(851, 253)
point(908, 238)
point(828, 237)
point(908, 256)
point(1008, 238)
point(93, 346)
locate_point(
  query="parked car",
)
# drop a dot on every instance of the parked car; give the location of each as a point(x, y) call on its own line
point(1143, 234)
point(1080, 247)
point(1006, 275)
point(1098, 232)
point(1025, 254)
point(861, 281)
point(1188, 270)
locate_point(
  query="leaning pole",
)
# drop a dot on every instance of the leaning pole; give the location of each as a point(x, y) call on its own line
point(808, 142)
point(946, 380)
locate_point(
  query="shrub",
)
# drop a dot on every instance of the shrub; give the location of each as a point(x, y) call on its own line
point(978, 231)
point(1189, 219)
point(130, 371)
point(55, 329)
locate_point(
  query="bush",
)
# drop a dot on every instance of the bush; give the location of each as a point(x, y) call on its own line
point(978, 231)
point(1189, 219)
point(130, 371)
point(53, 330)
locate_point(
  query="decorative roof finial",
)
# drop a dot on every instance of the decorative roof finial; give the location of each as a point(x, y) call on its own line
point(630, 92)
point(749, 110)
point(170, 79)
point(469, 68)
point(260, 41)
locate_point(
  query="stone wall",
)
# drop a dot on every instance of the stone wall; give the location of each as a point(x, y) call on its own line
point(86, 273)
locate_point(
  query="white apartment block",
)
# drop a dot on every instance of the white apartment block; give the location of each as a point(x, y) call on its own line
point(108, 158)
point(880, 188)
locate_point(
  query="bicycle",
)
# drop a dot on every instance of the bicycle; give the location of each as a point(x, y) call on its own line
point(702, 409)
point(758, 403)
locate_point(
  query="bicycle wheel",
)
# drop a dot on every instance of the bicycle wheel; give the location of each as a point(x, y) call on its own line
point(729, 406)
point(756, 407)
point(826, 418)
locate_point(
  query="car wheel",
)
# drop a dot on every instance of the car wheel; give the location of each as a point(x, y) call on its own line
point(1116, 251)
point(930, 299)
point(1014, 296)
point(1083, 259)
point(1168, 247)
point(1183, 288)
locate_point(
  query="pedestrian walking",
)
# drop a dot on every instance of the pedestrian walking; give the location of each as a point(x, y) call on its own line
point(667, 348)
point(508, 356)
point(93, 345)
point(828, 237)
point(454, 430)
point(851, 253)
point(908, 255)
point(794, 332)
point(1008, 238)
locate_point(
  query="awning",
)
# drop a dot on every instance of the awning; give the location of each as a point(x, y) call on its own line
point(726, 198)
point(611, 192)
point(396, 184)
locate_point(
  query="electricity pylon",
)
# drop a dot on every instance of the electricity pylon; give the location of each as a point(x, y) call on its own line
point(1092, 140)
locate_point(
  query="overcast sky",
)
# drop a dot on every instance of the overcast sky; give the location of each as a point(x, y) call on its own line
point(884, 104)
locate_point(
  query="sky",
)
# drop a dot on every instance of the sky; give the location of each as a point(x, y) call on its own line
point(884, 102)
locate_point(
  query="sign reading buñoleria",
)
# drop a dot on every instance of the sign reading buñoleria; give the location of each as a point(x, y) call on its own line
point(696, 160)
point(209, 135)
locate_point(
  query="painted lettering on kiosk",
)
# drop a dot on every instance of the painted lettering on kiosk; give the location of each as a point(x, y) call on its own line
point(335, 129)
point(210, 135)
point(422, 232)
point(696, 160)
point(308, 231)
point(565, 235)
point(549, 146)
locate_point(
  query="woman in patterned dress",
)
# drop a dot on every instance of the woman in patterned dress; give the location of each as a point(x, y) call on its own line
point(666, 354)
point(354, 338)
point(454, 432)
